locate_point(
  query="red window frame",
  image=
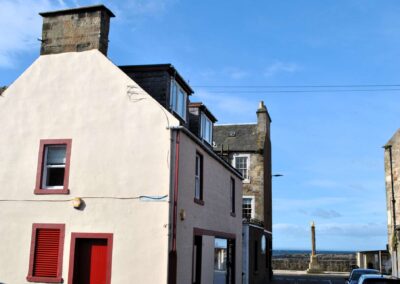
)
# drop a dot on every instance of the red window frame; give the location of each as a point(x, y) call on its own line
point(75, 236)
point(40, 166)
point(58, 278)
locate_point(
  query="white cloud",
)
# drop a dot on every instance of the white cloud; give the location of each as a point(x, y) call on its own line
point(20, 24)
point(236, 73)
point(356, 230)
point(323, 183)
point(321, 213)
point(280, 67)
point(148, 7)
point(353, 230)
point(20, 27)
point(225, 103)
point(326, 213)
point(299, 204)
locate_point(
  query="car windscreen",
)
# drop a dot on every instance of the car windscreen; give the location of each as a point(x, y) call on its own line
point(357, 274)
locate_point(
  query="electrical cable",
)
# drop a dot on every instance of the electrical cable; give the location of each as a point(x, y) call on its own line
point(299, 86)
point(303, 91)
point(141, 197)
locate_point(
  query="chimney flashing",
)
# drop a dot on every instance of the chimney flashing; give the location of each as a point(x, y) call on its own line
point(78, 10)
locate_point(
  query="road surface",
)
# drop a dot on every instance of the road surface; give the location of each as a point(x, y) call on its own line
point(306, 279)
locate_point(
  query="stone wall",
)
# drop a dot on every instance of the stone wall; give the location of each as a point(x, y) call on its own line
point(76, 30)
point(328, 262)
point(395, 143)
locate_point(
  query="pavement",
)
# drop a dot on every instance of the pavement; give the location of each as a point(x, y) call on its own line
point(301, 277)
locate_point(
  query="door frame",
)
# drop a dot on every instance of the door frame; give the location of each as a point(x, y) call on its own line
point(223, 235)
point(103, 236)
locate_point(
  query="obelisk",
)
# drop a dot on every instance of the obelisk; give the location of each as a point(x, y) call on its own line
point(313, 267)
point(313, 250)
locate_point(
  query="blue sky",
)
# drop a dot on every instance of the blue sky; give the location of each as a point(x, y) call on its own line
point(327, 144)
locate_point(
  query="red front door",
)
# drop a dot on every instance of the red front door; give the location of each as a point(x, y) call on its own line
point(90, 264)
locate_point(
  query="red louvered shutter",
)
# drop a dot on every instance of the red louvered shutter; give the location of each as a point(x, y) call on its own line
point(46, 252)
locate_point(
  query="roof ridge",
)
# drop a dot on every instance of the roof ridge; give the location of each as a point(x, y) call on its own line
point(231, 124)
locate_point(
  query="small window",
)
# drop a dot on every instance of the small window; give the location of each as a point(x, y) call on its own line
point(206, 129)
point(242, 163)
point(178, 99)
point(53, 167)
point(232, 196)
point(248, 207)
point(198, 190)
point(45, 263)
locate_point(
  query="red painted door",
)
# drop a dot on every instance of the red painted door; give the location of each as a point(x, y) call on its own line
point(90, 265)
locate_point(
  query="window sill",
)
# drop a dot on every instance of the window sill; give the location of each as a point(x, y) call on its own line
point(233, 214)
point(44, 279)
point(246, 181)
point(40, 191)
point(199, 201)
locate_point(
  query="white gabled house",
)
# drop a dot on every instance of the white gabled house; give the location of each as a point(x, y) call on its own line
point(102, 179)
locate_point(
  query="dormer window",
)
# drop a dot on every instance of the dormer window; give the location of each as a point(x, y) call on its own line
point(206, 128)
point(178, 99)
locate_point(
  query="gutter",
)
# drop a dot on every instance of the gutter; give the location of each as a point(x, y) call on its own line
point(207, 149)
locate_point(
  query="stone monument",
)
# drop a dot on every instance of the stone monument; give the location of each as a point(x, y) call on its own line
point(314, 266)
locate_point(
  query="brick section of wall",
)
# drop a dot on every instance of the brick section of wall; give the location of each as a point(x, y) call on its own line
point(75, 32)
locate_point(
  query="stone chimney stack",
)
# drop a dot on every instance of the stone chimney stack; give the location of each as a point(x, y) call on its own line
point(76, 29)
point(263, 124)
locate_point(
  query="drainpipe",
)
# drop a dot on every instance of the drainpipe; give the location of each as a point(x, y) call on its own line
point(389, 147)
point(173, 258)
point(176, 187)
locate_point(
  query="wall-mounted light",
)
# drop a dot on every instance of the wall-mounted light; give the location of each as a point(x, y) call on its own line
point(77, 202)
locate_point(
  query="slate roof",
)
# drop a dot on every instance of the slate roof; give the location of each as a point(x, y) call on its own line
point(238, 137)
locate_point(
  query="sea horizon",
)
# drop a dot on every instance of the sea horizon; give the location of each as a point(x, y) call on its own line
point(276, 252)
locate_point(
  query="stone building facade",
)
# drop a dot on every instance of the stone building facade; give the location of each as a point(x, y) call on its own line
point(248, 148)
point(392, 185)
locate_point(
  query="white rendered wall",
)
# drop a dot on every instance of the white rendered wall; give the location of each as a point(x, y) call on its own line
point(120, 148)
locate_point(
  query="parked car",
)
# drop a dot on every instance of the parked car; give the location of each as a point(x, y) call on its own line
point(355, 274)
point(377, 279)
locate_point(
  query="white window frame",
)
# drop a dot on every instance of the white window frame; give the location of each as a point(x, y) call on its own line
point(175, 91)
point(253, 204)
point(46, 167)
point(204, 120)
point(245, 180)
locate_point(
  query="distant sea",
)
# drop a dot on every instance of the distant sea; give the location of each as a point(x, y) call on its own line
point(283, 252)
